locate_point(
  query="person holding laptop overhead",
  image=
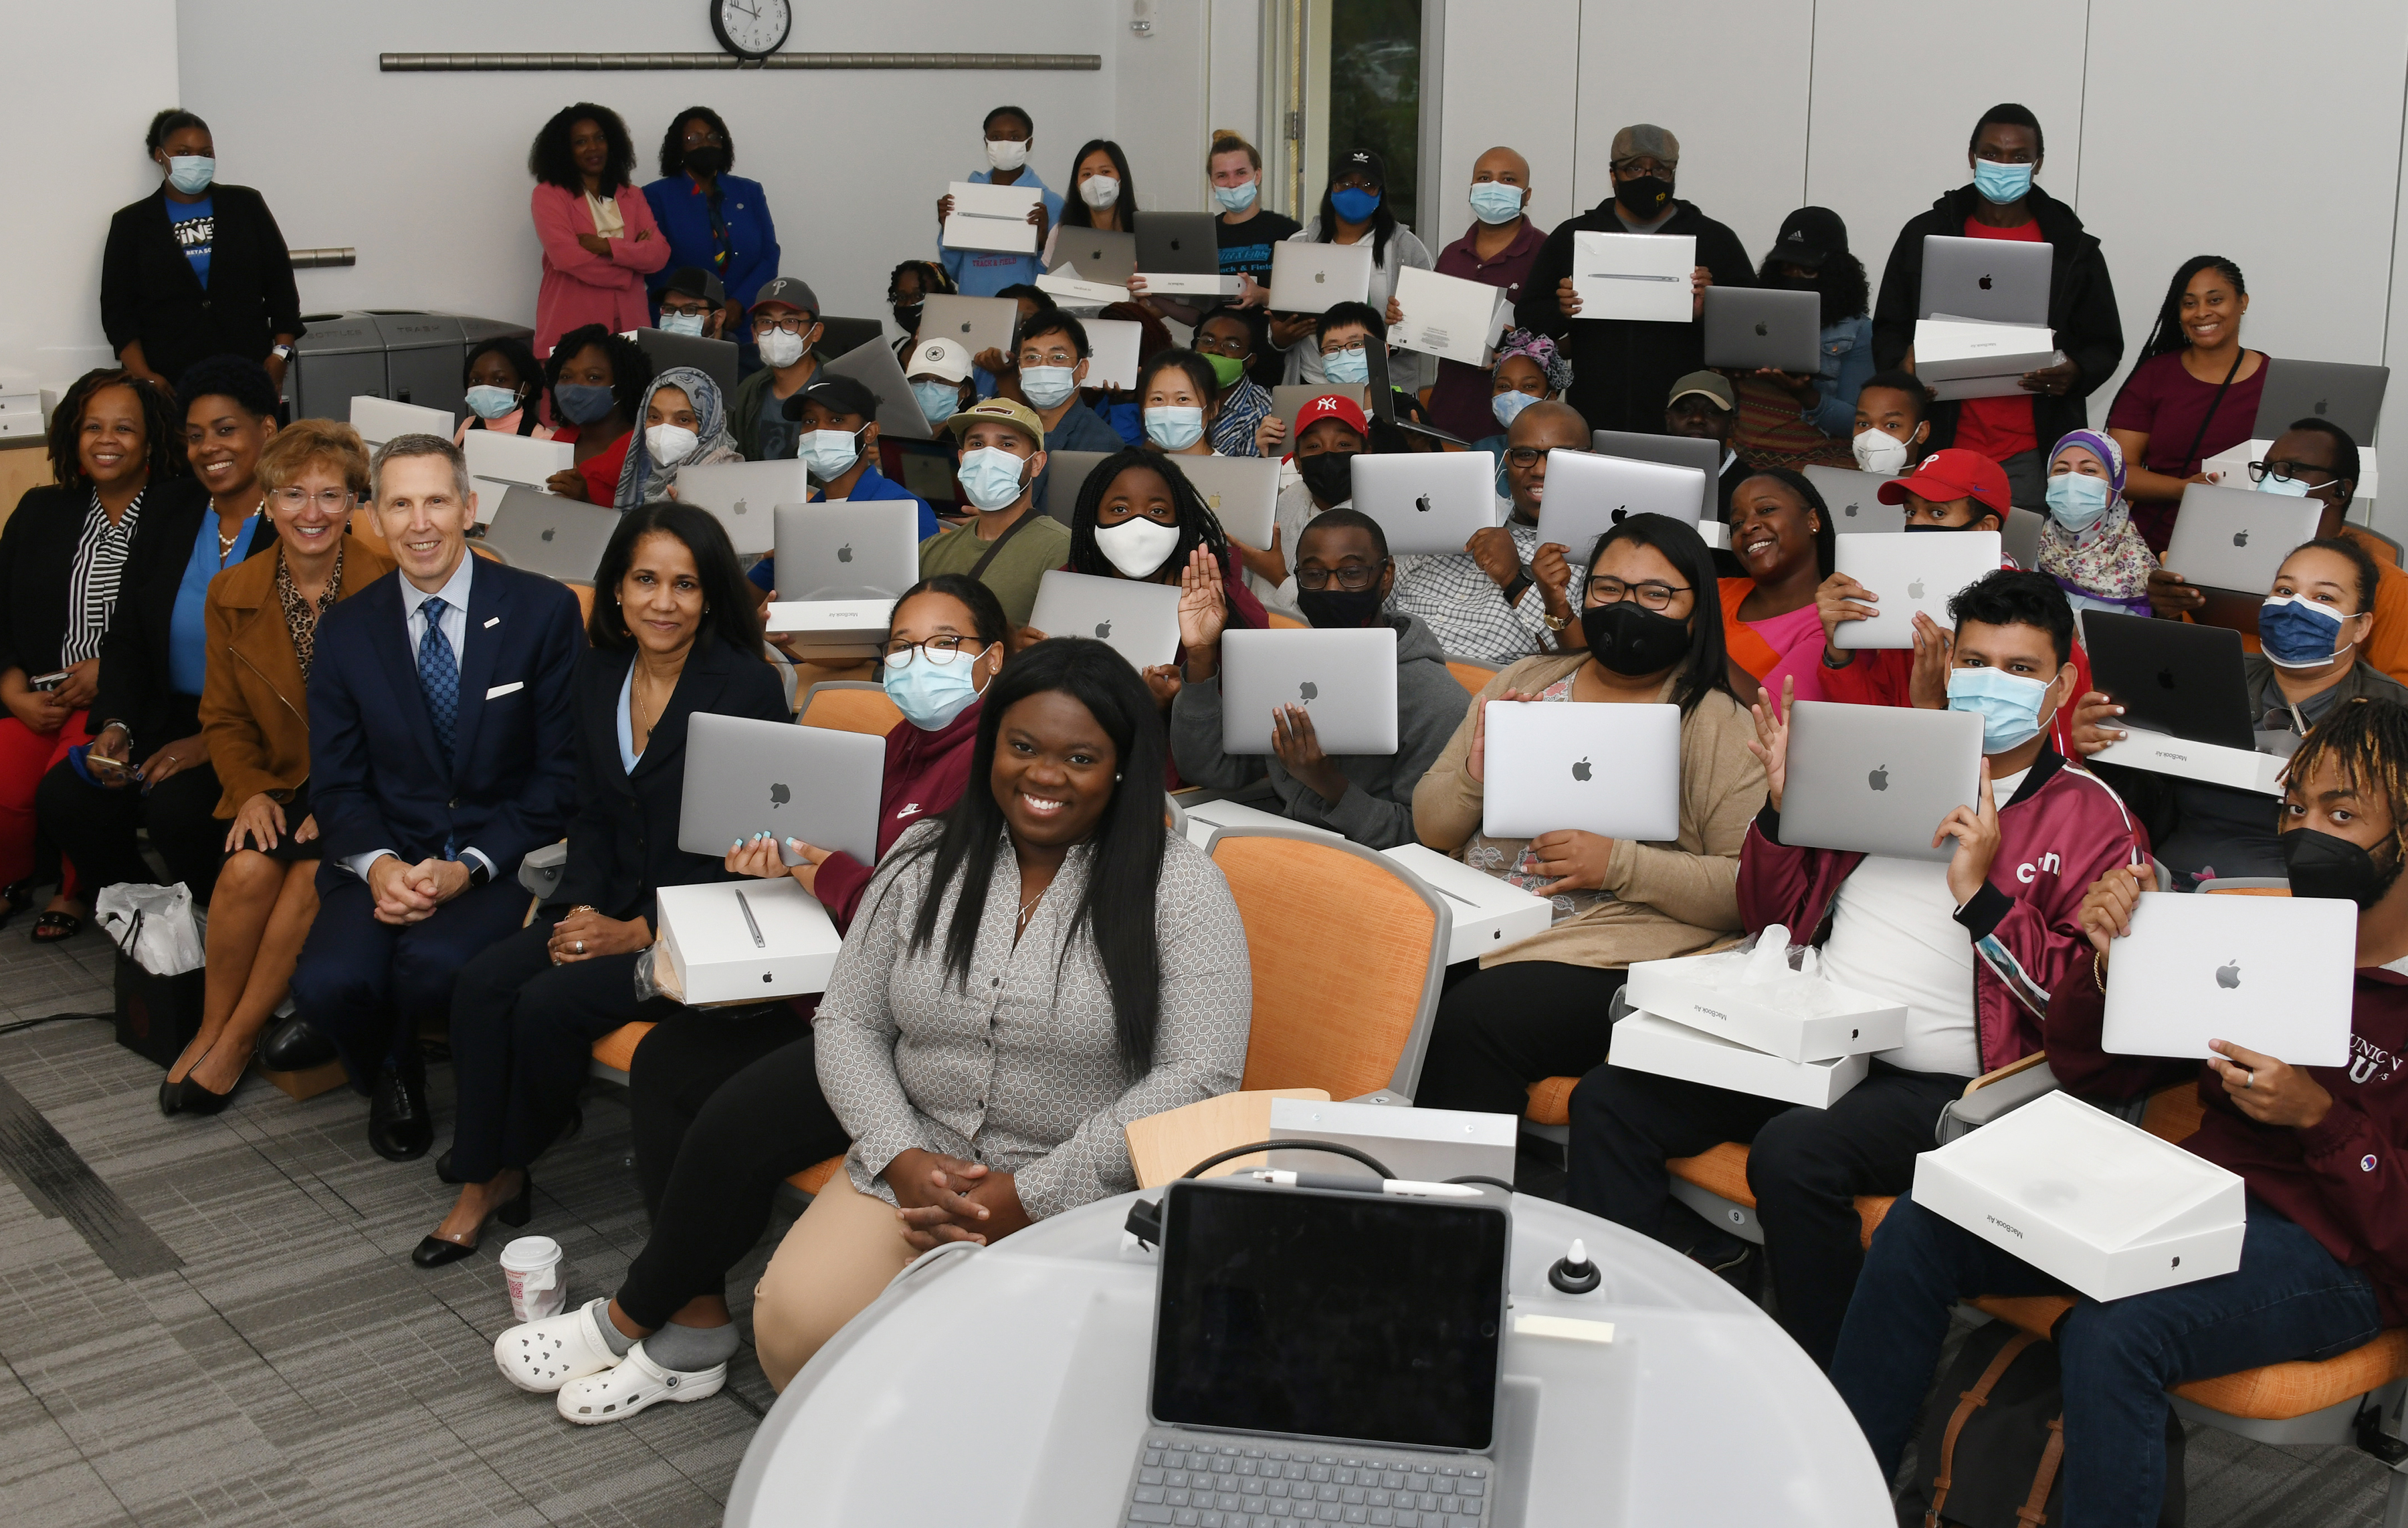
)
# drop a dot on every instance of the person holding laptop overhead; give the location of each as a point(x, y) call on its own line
point(1971, 946)
point(2090, 545)
point(1498, 250)
point(1781, 536)
point(673, 632)
point(2196, 391)
point(2322, 1268)
point(1012, 542)
point(1652, 619)
point(1343, 575)
point(983, 273)
point(2005, 153)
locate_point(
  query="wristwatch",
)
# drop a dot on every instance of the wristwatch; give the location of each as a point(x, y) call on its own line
point(1554, 623)
point(283, 352)
point(478, 873)
point(1517, 588)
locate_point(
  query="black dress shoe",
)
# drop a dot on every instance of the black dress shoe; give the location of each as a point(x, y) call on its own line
point(400, 1127)
point(296, 1044)
point(443, 1168)
point(434, 1251)
point(171, 1096)
point(193, 1098)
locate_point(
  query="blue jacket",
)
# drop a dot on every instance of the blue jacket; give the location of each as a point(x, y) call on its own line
point(873, 486)
point(1847, 361)
point(983, 273)
point(685, 216)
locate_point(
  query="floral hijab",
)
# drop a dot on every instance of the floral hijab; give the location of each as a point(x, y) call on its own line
point(2109, 564)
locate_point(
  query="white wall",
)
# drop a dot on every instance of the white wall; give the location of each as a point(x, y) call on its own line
point(1162, 90)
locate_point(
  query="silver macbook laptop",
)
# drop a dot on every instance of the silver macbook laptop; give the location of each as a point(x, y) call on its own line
point(1344, 679)
point(976, 323)
point(1853, 498)
point(1751, 327)
point(1609, 770)
point(2236, 537)
point(1911, 571)
point(1066, 474)
point(1428, 501)
point(745, 777)
point(1243, 492)
point(1878, 779)
point(743, 496)
point(1179, 243)
point(2350, 397)
point(847, 551)
point(1308, 277)
point(2272, 973)
point(536, 532)
point(713, 358)
point(2020, 540)
point(1589, 494)
point(1139, 621)
point(875, 367)
point(1096, 254)
point(1672, 451)
point(1311, 1343)
point(1995, 281)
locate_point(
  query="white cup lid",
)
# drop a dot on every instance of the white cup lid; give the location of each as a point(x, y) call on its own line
point(529, 1252)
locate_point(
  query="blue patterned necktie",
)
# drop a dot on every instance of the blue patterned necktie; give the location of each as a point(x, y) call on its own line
point(438, 677)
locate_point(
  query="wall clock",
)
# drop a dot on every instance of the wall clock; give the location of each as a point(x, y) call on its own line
point(751, 29)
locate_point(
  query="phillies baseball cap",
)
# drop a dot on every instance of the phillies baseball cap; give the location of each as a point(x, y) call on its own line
point(1952, 474)
point(1337, 406)
point(947, 360)
point(792, 291)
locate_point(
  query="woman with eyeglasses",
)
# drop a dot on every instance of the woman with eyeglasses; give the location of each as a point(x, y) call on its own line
point(262, 620)
point(1653, 621)
point(713, 220)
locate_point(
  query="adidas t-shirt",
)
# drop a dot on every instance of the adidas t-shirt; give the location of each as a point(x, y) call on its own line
point(194, 225)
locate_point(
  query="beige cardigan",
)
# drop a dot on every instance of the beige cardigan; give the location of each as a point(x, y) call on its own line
point(1667, 899)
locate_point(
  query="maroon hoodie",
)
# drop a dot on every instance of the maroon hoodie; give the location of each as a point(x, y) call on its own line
point(925, 773)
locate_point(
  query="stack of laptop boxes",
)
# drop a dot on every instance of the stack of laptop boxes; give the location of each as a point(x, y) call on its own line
point(1728, 1021)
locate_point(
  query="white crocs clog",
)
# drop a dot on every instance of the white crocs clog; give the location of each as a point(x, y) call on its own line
point(542, 1356)
point(634, 1384)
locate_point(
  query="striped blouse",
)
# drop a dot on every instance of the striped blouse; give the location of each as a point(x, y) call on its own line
point(92, 580)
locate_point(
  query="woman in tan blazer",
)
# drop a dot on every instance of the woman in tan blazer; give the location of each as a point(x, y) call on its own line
point(262, 625)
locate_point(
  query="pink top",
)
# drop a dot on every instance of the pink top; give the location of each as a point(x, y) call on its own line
point(1793, 643)
point(581, 287)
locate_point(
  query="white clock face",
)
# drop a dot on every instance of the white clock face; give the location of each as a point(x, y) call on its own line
point(755, 26)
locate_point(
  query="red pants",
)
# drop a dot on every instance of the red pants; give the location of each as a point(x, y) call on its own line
point(25, 757)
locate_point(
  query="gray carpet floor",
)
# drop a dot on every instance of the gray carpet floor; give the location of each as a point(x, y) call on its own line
point(219, 1323)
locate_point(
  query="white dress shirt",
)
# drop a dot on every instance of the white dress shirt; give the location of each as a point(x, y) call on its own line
point(455, 595)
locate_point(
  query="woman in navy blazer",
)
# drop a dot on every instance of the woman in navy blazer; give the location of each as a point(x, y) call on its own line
point(674, 630)
point(711, 219)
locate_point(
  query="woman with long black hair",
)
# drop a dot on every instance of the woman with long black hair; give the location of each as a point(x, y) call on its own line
point(2193, 392)
point(1354, 208)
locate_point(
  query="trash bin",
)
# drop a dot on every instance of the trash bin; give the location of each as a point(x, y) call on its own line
point(339, 359)
point(407, 356)
point(422, 354)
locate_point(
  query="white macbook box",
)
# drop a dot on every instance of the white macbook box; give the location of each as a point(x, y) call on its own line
point(1113, 342)
point(1427, 501)
point(1309, 277)
point(1646, 1042)
point(2082, 1196)
point(1208, 817)
point(1140, 621)
point(1450, 316)
point(497, 463)
point(1962, 358)
point(2272, 973)
point(1421, 1146)
point(746, 941)
point(2242, 769)
point(1345, 679)
point(1076, 292)
point(1588, 495)
point(1613, 770)
point(1243, 492)
point(1634, 276)
point(832, 628)
point(1912, 572)
point(1489, 915)
point(379, 420)
point(1795, 1016)
point(989, 217)
point(744, 497)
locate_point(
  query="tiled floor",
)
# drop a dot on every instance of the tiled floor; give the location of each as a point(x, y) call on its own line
point(296, 1369)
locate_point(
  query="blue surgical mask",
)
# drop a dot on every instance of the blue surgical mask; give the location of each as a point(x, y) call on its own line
point(931, 694)
point(191, 173)
point(2076, 501)
point(1494, 201)
point(1507, 405)
point(1351, 364)
point(489, 402)
point(991, 476)
point(938, 401)
point(2288, 488)
point(2008, 704)
point(1174, 428)
point(583, 403)
point(2002, 183)
point(829, 455)
point(1354, 204)
point(1044, 386)
point(2298, 633)
point(681, 323)
point(1237, 198)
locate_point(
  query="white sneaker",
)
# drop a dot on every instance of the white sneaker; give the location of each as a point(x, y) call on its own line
point(634, 1384)
point(542, 1356)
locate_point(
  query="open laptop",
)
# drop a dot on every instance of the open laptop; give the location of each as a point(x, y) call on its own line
point(1994, 281)
point(1554, 767)
point(2173, 677)
point(1751, 327)
point(1096, 254)
point(978, 325)
point(1289, 398)
point(713, 358)
point(2020, 540)
point(1910, 571)
point(925, 467)
point(1139, 621)
point(1307, 1339)
point(742, 496)
point(2350, 397)
point(841, 337)
point(1181, 252)
point(1428, 502)
point(851, 550)
point(1112, 361)
point(2237, 538)
point(2272, 973)
point(1588, 495)
point(1309, 277)
point(1878, 779)
point(536, 532)
point(1066, 474)
point(1672, 451)
point(875, 367)
point(1853, 498)
point(744, 776)
point(1243, 492)
point(1344, 678)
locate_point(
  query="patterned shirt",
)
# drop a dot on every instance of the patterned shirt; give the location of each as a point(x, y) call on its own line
point(91, 582)
point(1464, 606)
point(301, 616)
point(1242, 407)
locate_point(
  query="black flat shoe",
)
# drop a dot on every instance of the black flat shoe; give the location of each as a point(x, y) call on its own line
point(295, 1044)
point(195, 1099)
point(400, 1126)
point(515, 1210)
point(171, 1097)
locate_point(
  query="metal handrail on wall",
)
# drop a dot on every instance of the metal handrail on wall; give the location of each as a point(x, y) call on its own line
point(541, 63)
point(313, 259)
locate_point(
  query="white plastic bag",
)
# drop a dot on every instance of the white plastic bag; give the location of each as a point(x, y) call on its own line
point(152, 924)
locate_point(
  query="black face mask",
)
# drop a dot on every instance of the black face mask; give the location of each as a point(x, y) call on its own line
point(907, 316)
point(2321, 865)
point(1335, 607)
point(707, 161)
point(1330, 477)
point(1645, 198)
point(1631, 639)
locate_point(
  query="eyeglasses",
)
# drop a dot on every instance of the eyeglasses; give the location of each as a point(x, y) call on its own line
point(1525, 456)
point(792, 326)
point(2292, 472)
point(1237, 349)
point(698, 140)
point(1354, 349)
point(332, 500)
point(1642, 164)
point(939, 651)
point(1353, 575)
point(1063, 356)
point(1651, 594)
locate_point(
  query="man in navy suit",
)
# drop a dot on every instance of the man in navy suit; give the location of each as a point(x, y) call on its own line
point(441, 750)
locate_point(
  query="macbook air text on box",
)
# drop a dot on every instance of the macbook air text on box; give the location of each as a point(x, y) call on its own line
point(990, 217)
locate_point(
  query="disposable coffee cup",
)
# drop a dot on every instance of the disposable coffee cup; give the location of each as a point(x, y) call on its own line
point(538, 1288)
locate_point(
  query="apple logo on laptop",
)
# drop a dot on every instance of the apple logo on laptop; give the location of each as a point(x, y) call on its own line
point(1104, 629)
point(1985, 284)
point(738, 509)
point(2166, 678)
point(1422, 504)
point(966, 326)
point(1580, 771)
point(1319, 277)
point(2241, 538)
point(1878, 779)
point(1620, 513)
point(1914, 590)
point(549, 533)
point(1760, 329)
point(2320, 406)
point(2228, 976)
point(1850, 510)
point(1175, 244)
point(779, 796)
point(844, 553)
point(1310, 690)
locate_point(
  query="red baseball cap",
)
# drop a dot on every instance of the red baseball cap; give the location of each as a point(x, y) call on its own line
point(1337, 406)
point(1952, 474)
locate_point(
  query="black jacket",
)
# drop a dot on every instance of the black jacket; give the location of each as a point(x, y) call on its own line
point(1623, 371)
point(149, 292)
point(623, 842)
point(2081, 307)
point(37, 556)
point(134, 672)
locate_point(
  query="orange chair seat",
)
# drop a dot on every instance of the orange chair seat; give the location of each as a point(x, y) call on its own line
point(1551, 1100)
point(811, 1179)
point(1722, 1171)
point(866, 711)
point(617, 1049)
point(1471, 676)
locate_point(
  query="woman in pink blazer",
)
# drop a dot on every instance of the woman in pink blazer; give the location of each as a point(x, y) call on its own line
point(599, 240)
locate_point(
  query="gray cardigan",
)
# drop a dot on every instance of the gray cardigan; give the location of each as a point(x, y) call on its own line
point(1019, 1069)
